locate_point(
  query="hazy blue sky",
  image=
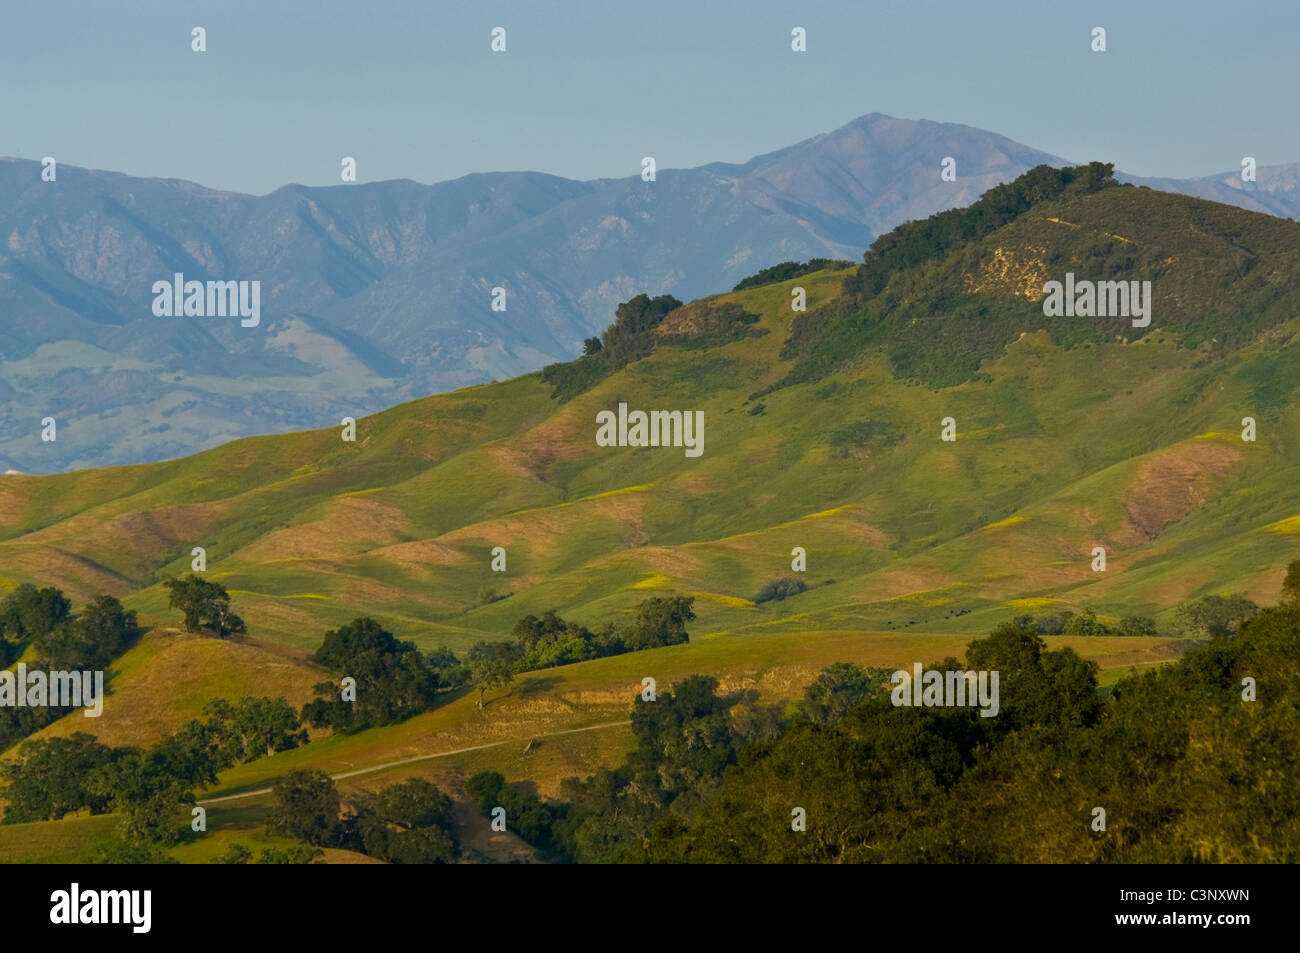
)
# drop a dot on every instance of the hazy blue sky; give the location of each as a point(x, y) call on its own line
point(586, 89)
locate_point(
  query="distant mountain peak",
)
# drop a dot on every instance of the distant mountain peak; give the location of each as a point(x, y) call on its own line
point(378, 292)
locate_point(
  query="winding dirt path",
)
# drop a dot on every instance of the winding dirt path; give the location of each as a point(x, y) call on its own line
point(420, 757)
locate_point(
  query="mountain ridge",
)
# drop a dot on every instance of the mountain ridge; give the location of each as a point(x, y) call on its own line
point(376, 293)
point(1069, 436)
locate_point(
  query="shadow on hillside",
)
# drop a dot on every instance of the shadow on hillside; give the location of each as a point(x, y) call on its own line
point(538, 686)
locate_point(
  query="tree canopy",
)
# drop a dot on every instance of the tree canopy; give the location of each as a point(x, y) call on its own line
point(205, 606)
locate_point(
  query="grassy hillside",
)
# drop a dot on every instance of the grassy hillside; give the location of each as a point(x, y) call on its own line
point(167, 678)
point(1132, 445)
point(822, 431)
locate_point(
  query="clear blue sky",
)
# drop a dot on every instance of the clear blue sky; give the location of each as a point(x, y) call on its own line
point(586, 89)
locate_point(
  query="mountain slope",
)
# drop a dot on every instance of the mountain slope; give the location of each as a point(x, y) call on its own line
point(378, 292)
point(1071, 434)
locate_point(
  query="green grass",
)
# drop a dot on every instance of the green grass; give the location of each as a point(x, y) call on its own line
point(1067, 439)
point(69, 841)
point(1081, 447)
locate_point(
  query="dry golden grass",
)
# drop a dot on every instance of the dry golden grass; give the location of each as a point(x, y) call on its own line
point(674, 561)
point(548, 532)
point(334, 856)
point(167, 678)
point(156, 532)
point(79, 577)
point(1174, 483)
point(420, 554)
point(346, 525)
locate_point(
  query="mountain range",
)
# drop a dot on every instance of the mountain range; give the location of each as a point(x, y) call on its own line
point(376, 293)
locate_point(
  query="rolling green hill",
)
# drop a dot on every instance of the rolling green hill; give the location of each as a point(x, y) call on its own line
point(822, 431)
point(1072, 433)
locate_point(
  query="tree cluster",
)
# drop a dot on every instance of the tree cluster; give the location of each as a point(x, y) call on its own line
point(393, 679)
point(932, 331)
point(686, 739)
point(251, 729)
point(53, 777)
point(1084, 622)
point(538, 643)
point(405, 823)
point(1215, 617)
point(42, 618)
point(912, 243)
point(58, 776)
point(786, 270)
point(628, 339)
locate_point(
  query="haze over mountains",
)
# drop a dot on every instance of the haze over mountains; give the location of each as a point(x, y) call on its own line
point(375, 293)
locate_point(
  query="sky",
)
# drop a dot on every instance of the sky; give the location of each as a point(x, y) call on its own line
point(586, 89)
